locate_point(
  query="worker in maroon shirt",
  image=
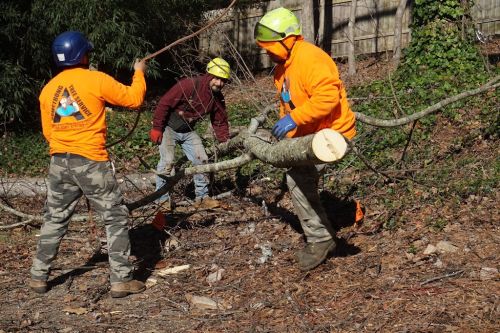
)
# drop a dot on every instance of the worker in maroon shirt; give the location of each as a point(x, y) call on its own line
point(175, 116)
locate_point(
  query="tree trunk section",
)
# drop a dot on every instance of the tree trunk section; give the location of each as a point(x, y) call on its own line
point(321, 24)
point(326, 146)
point(398, 31)
point(308, 20)
point(350, 31)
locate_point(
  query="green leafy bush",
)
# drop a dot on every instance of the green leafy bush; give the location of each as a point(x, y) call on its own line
point(17, 89)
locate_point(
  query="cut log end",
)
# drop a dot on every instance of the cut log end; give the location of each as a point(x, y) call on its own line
point(329, 145)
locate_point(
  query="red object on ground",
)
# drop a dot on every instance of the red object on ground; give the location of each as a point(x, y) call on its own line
point(159, 221)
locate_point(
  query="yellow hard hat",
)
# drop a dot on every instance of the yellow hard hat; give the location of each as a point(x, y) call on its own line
point(276, 25)
point(219, 67)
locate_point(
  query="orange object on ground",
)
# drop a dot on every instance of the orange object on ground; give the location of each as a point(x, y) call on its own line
point(360, 215)
point(159, 221)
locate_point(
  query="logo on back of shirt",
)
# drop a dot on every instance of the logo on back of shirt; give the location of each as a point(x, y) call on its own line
point(68, 107)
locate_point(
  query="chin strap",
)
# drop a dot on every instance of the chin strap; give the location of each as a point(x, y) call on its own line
point(288, 50)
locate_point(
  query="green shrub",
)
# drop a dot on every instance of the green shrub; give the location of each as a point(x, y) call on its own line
point(25, 154)
point(17, 88)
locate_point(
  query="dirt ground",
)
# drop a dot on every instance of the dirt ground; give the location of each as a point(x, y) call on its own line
point(413, 278)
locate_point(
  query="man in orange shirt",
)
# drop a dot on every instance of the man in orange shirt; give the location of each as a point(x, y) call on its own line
point(74, 124)
point(312, 98)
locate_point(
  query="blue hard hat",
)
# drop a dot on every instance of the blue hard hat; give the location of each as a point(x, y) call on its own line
point(69, 48)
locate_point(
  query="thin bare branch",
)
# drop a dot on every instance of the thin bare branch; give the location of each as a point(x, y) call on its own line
point(36, 218)
point(437, 278)
point(436, 107)
point(179, 41)
point(179, 174)
point(15, 225)
point(199, 31)
point(19, 214)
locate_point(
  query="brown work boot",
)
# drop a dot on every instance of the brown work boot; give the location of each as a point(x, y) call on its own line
point(167, 206)
point(206, 203)
point(314, 254)
point(122, 289)
point(38, 286)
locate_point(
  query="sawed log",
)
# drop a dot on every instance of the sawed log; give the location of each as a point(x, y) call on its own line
point(326, 146)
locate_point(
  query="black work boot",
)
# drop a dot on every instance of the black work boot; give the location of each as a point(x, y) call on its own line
point(122, 289)
point(38, 286)
point(314, 254)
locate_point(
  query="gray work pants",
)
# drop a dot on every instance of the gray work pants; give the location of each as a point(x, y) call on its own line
point(302, 183)
point(70, 177)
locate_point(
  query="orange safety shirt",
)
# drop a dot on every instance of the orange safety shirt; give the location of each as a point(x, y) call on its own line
point(312, 80)
point(73, 114)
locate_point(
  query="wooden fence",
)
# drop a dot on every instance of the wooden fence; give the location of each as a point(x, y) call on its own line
point(374, 29)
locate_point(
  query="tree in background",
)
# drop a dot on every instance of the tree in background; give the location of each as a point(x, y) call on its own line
point(16, 85)
point(120, 31)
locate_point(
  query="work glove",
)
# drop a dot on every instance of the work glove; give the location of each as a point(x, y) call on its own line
point(283, 126)
point(155, 135)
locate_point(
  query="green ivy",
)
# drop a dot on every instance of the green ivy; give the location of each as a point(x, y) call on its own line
point(442, 57)
point(427, 11)
point(441, 61)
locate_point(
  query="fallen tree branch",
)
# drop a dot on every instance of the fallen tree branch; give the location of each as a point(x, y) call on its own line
point(441, 277)
point(285, 153)
point(15, 225)
point(179, 174)
point(438, 106)
point(32, 218)
point(238, 140)
point(322, 147)
point(20, 214)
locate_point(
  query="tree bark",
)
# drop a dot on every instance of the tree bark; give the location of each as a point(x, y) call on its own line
point(350, 31)
point(321, 23)
point(308, 20)
point(398, 31)
point(323, 147)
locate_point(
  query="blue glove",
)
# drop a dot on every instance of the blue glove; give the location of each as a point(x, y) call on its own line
point(283, 126)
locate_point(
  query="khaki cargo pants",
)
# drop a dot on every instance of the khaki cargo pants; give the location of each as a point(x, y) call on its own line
point(302, 183)
point(70, 177)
